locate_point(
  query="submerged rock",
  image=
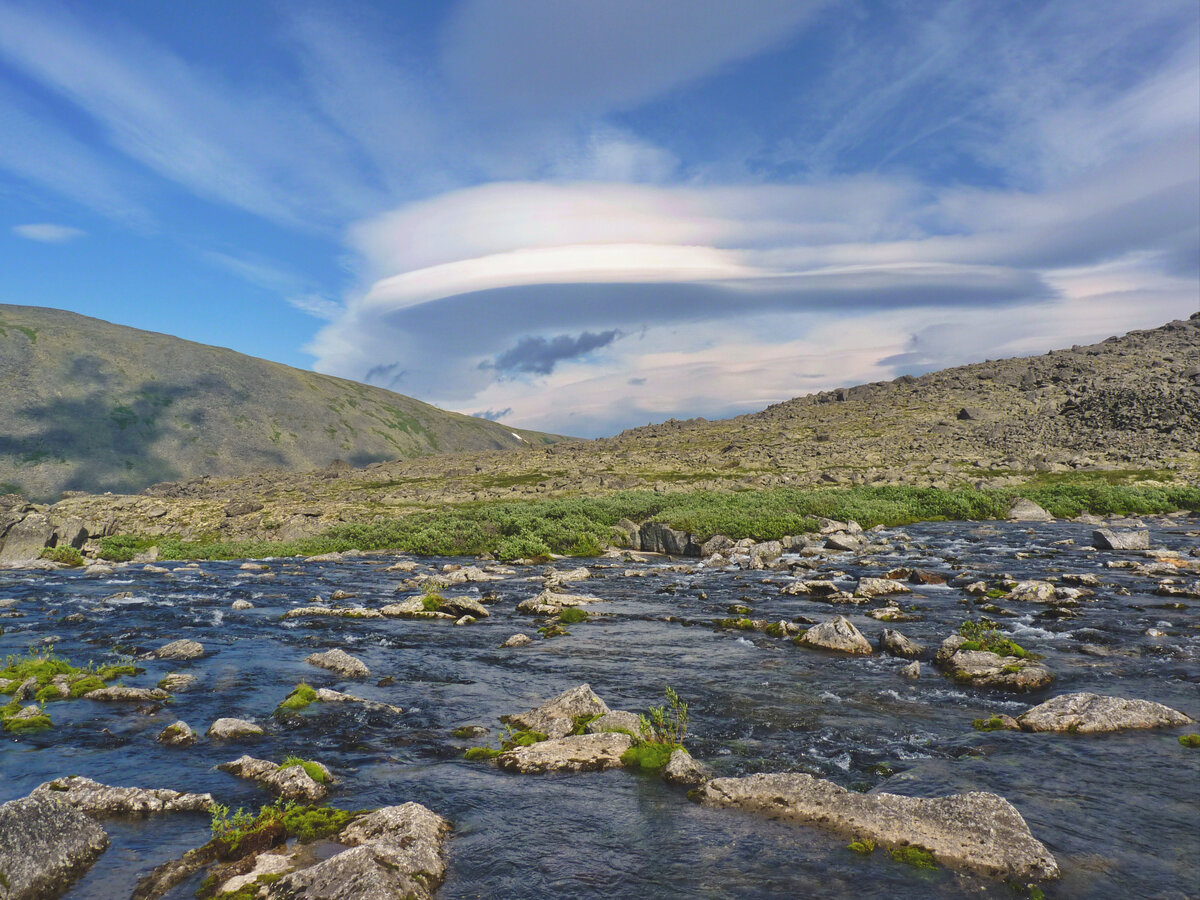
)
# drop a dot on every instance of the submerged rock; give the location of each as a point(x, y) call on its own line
point(45, 846)
point(338, 660)
point(181, 649)
point(231, 729)
point(556, 717)
point(1086, 713)
point(975, 831)
point(836, 634)
point(396, 851)
point(517, 640)
point(574, 753)
point(291, 783)
point(100, 800)
point(1107, 539)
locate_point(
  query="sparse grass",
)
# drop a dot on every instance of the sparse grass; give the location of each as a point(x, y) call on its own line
point(662, 733)
point(533, 529)
point(985, 635)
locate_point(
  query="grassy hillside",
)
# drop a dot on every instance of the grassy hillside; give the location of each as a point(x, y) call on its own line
point(91, 406)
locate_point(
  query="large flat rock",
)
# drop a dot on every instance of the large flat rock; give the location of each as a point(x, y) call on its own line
point(976, 831)
point(44, 847)
point(576, 753)
point(1096, 713)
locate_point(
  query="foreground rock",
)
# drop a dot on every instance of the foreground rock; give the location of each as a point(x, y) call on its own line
point(338, 660)
point(982, 668)
point(556, 718)
point(975, 831)
point(837, 634)
point(100, 800)
point(397, 851)
point(45, 846)
point(682, 769)
point(1096, 714)
point(576, 753)
point(291, 783)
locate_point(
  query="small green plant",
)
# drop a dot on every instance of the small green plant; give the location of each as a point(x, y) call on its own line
point(582, 722)
point(647, 757)
point(572, 615)
point(300, 697)
point(865, 846)
point(552, 631)
point(10, 722)
point(662, 733)
point(64, 554)
point(1190, 740)
point(995, 723)
point(915, 856)
point(985, 635)
point(312, 769)
point(586, 544)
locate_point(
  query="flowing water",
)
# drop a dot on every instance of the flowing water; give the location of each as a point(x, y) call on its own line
point(1119, 812)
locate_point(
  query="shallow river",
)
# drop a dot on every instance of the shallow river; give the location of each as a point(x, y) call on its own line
point(1119, 812)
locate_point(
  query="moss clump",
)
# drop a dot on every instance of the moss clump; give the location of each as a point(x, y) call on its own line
point(984, 635)
point(774, 629)
point(312, 769)
point(300, 697)
point(866, 846)
point(10, 723)
point(995, 723)
point(432, 602)
point(66, 555)
point(915, 856)
point(117, 670)
point(1190, 740)
point(482, 753)
point(572, 615)
point(464, 731)
point(738, 624)
point(41, 664)
point(310, 823)
point(648, 757)
point(522, 739)
point(86, 685)
point(551, 631)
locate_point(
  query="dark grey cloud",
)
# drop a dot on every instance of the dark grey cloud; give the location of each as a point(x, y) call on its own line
point(388, 376)
point(493, 415)
point(536, 355)
point(637, 382)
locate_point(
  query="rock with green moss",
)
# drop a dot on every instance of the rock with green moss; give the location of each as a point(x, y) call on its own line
point(976, 831)
point(838, 635)
point(177, 734)
point(965, 663)
point(1086, 713)
point(296, 779)
point(124, 694)
point(574, 753)
point(230, 729)
point(556, 717)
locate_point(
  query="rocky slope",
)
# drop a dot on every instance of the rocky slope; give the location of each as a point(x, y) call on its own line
point(88, 405)
point(1130, 402)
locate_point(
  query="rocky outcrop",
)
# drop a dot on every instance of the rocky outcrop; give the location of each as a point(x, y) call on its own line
point(616, 720)
point(575, 753)
point(1108, 539)
point(290, 783)
point(338, 660)
point(27, 538)
point(1086, 713)
point(557, 717)
point(982, 668)
point(837, 634)
point(102, 800)
point(464, 606)
point(976, 831)
point(45, 846)
point(233, 729)
point(177, 734)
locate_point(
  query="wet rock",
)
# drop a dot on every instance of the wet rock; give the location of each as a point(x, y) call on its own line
point(291, 783)
point(551, 603)
point(325, 695)
point(982, 668)
point(1024, 510)
point(339, 595)
point(682, 769)
point(1108, 539)
point(891, 614)
point(1086, 713)
point(179, 650)
point(837, 634)
point(268, 863)
point(338, 660)
point(396, 851)
point(177, 734)
point(912, 671)
point(844, 542)
point(413, 608)
point(556, 717)
point(575, 753)
point(101, 800)
point(120, 692)
point(1032, 592)
point(880, 587)
point(240, 605)
point(175, 682)
point(616, 720)
point(464, 606)
point(233, 729)
point(926, 576)
point(344, 612)
point(45, 846)
point(517, 640)
point(896, 644)
point(975, 831)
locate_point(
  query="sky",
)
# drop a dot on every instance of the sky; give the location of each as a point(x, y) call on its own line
point(580, 217)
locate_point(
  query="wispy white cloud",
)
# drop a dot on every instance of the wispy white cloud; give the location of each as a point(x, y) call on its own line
point(48, 233)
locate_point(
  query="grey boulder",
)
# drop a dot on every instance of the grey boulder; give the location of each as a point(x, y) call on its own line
point(837, 634)
point(556, 717)
point(1086, 713)
point(338, 660)
point(100, 800)
point(1107, 539)
point(576, 753)
point(45, 846)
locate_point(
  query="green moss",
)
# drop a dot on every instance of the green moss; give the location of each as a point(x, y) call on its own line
point(464, 731)
point(117, 670)
point(432, 602)
point(33, 723)
point(552, 631)
point(572, 615)
point(648, 757)
point(996, 594)
point(1190, 740)
point(310, 823)
point(482, 753)
point(582, 722)
point(522, 739)
point(995, 723)
point(866, 846)
point(985, 635)
point(314, 771)
point(774, 629)
point(300, 697)
point(915, 856)
point(86, 685)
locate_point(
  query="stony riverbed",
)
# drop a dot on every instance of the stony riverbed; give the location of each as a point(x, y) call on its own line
point(1117, 811)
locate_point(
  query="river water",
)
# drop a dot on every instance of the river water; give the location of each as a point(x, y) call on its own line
point(1119, 812)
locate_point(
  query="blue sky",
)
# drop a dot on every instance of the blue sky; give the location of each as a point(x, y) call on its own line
point(583, 216)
